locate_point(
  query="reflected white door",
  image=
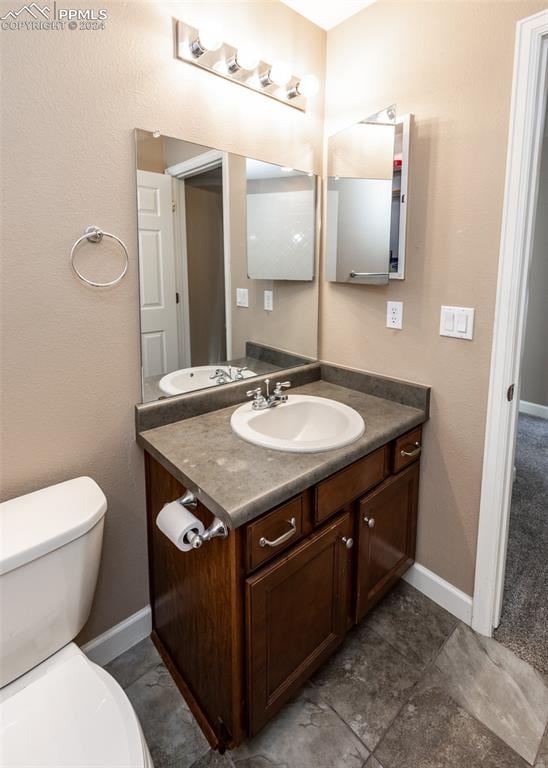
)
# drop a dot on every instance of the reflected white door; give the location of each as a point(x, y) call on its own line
point(159, 340)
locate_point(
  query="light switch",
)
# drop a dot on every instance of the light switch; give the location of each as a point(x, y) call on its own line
point(449, 321)
point(269, 300)
point(462, 322)
point(242, 297)
point(457, 322)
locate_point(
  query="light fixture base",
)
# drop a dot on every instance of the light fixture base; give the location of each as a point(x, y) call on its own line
point(185, 42)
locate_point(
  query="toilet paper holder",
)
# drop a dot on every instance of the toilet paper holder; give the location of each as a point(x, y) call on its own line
point(217, 529)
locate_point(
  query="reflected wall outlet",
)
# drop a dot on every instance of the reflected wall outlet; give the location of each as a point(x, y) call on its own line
point(269, 300)
point(394, 314)
point(242, 297)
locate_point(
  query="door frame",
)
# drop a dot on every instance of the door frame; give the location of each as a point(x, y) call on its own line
point(198, 164)
point(527, 112)
point(181, 270)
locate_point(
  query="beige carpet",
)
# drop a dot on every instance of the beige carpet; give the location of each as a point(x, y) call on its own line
point(524, 622)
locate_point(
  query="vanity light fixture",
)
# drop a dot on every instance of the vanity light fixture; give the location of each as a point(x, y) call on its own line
point(307, 86)
point(278, 74)
point(207, 39)
point(244, 58)
point(204, 48)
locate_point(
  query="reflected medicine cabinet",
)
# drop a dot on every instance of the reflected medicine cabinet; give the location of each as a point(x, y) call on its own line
point(398, 223)
point(367, 199)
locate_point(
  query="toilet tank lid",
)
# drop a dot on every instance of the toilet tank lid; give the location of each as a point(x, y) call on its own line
point(39, 522)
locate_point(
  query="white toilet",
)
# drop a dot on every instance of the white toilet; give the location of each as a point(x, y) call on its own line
point(57, 708)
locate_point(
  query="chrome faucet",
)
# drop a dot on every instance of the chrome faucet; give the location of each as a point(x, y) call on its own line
point(221, 377)
point(260, 401)
point(239, 375)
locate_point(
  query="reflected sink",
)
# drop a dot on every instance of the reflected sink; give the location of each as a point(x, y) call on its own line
point(304, 424)
point(199, 377)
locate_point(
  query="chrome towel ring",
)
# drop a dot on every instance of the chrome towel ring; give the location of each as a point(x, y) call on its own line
point(95, 235)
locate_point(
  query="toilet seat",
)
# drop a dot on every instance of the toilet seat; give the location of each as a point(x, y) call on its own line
point(68, 712)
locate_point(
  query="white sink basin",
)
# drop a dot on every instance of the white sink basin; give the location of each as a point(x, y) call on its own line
point(305, 424)
point(189, 379)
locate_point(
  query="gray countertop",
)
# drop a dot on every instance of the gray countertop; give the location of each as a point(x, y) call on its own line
point(239, 481)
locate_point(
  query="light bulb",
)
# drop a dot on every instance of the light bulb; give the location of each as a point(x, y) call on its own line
point(280, 73)
point(308, 86)
point(247, 58)
point(209, 38)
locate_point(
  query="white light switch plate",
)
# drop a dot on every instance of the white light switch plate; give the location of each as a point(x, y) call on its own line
point(269, 300)
point(457, 322)
point(242, 297)
point(394, 314)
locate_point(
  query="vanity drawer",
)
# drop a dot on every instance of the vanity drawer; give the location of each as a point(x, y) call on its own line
point(276, 531)
point(407, 449)
point(353, 481)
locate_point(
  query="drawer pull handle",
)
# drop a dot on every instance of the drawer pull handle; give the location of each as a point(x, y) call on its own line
point(369, 521)
point(281, 539)
point(348, 542)
point(411, 454)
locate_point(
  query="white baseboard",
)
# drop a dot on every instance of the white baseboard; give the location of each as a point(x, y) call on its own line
point(441, 592)
point(533, 409)
point(119, 638)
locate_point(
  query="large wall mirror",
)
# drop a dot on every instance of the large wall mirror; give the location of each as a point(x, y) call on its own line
point(227, 263)
point(367, 200)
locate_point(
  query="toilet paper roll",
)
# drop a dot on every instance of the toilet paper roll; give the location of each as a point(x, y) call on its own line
point(176, 521)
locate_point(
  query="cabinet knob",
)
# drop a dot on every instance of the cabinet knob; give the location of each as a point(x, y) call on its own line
point(348, 542)
point(370, 521)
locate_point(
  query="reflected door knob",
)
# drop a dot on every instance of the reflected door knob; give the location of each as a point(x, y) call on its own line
point(370, 521)
point(348, 542)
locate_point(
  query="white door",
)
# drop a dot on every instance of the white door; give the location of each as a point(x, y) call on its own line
point(159, 341)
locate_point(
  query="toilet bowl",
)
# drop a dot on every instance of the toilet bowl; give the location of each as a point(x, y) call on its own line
point(57, 708)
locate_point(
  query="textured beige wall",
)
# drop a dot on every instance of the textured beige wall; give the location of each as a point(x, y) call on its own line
point(450, 63)
point(70, 369)
point(534, 365)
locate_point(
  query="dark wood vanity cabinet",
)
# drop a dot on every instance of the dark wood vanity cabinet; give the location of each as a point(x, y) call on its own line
point(242, 622)
point(386, 534)
point(296, 615)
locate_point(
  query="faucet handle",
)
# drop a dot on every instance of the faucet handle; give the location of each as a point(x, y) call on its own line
point(218, 372)
point(239, 375)
point(281, 385)
point(254, 392)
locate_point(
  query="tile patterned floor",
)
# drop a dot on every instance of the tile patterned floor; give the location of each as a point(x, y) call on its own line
point(410, 688)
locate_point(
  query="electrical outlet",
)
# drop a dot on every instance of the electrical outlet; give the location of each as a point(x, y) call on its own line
point(242, 297)
point(269, 300)
point(394, 314)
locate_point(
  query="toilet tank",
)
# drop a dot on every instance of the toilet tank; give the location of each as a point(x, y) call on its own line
point(50, 548)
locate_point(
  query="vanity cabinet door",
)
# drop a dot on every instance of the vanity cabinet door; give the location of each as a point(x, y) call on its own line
point(386, 532)
point(297, 612)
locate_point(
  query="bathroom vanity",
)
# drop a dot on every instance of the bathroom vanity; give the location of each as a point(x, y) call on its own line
point(229, 258)
point(314, 541)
